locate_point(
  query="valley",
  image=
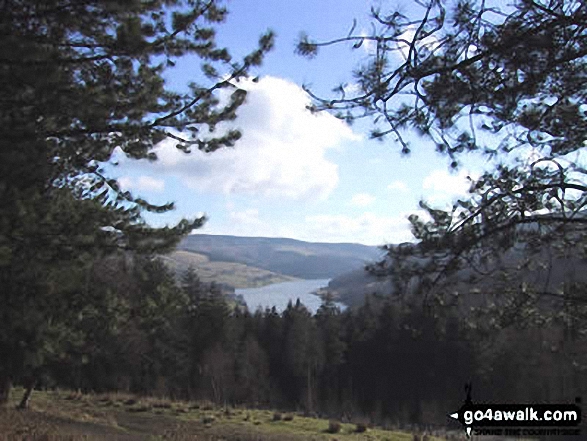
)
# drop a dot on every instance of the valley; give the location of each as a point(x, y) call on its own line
point(280, 294)
point(245, 263)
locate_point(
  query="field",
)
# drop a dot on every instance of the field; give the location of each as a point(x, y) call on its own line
point(64, 415)
point(237, 275)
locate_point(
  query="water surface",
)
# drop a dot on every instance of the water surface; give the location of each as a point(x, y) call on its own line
point(279, 294)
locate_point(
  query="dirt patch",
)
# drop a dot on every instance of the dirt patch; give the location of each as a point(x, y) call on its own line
point(30, 424)
point(38, 425)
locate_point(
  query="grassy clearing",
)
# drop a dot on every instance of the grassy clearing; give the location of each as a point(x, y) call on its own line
point(67, 415)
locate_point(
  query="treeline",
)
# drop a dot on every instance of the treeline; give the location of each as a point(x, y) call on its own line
point(141, 330)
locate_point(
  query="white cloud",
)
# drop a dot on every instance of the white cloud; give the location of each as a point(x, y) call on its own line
point(362, 199)
point(125, 183)
point(369, 46)
point(248, 217)
point(443, 187)
point(144, 183)
point(399, 186)
point(430, 42)
point(527, 155)
point(245, 222)
point(369, 228)
point(353, 89)
point(281, 153)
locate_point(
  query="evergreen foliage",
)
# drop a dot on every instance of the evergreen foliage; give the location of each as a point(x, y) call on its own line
point(506, 83)
point(79, 81)
point(386, 362)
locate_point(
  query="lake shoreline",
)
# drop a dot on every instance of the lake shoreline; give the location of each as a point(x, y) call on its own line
point(280, 294)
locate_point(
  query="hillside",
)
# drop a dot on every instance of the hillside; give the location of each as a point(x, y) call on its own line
point(352, 287)
point(277, 256)
point(230, 274)
point(546, 272)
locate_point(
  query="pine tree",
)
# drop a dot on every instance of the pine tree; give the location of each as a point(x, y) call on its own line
point(251, 364)
point(474, 79)
point(79, 80)
point(329, 322)
point(192, 287)
point(302, 353)
point(363, 358)
point(270, 336)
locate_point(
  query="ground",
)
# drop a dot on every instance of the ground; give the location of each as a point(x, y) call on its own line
point(57, 415)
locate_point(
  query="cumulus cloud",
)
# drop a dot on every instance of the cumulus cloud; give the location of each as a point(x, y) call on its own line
point(368, 228)
point(443, 187)
point(241, 222)
point(144, 183)
point(282, 151)
point(362, 199)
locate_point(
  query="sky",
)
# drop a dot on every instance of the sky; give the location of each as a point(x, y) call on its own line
point(294, 174)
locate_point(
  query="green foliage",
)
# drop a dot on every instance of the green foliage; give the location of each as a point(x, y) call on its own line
point(472, 78)
point(139, 332)
point(79, 81)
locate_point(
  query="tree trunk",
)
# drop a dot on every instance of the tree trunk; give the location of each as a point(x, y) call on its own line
point(309, 403)
point(5, 386)
point(29, 385)
point(215, 391)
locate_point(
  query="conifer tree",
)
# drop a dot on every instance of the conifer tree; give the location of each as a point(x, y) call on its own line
point(302, 353)
point(192, 286)
point(329, 323)
point(79, 80)
point(503, 83)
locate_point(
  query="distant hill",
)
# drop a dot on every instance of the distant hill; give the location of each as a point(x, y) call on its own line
point(247, 262)
point(546, 272)
point(352, 287)
point(228, 274)
point(250, 262)
point(285, 257)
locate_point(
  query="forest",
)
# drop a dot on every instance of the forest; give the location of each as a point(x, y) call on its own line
point(86, 302)
point(387, 362)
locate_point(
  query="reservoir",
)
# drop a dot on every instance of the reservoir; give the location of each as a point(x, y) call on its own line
point(279, 294)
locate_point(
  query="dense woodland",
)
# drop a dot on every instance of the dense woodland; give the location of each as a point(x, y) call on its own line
point(141, 330)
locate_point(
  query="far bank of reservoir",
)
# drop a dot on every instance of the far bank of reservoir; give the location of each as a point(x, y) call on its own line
point(279, 294)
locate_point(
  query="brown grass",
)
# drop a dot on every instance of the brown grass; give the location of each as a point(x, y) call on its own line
point(73, 416)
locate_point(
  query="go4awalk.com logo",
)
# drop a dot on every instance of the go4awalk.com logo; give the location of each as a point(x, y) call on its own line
point(518, 419)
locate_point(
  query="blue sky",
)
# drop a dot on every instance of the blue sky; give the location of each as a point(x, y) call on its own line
point(293, 174)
